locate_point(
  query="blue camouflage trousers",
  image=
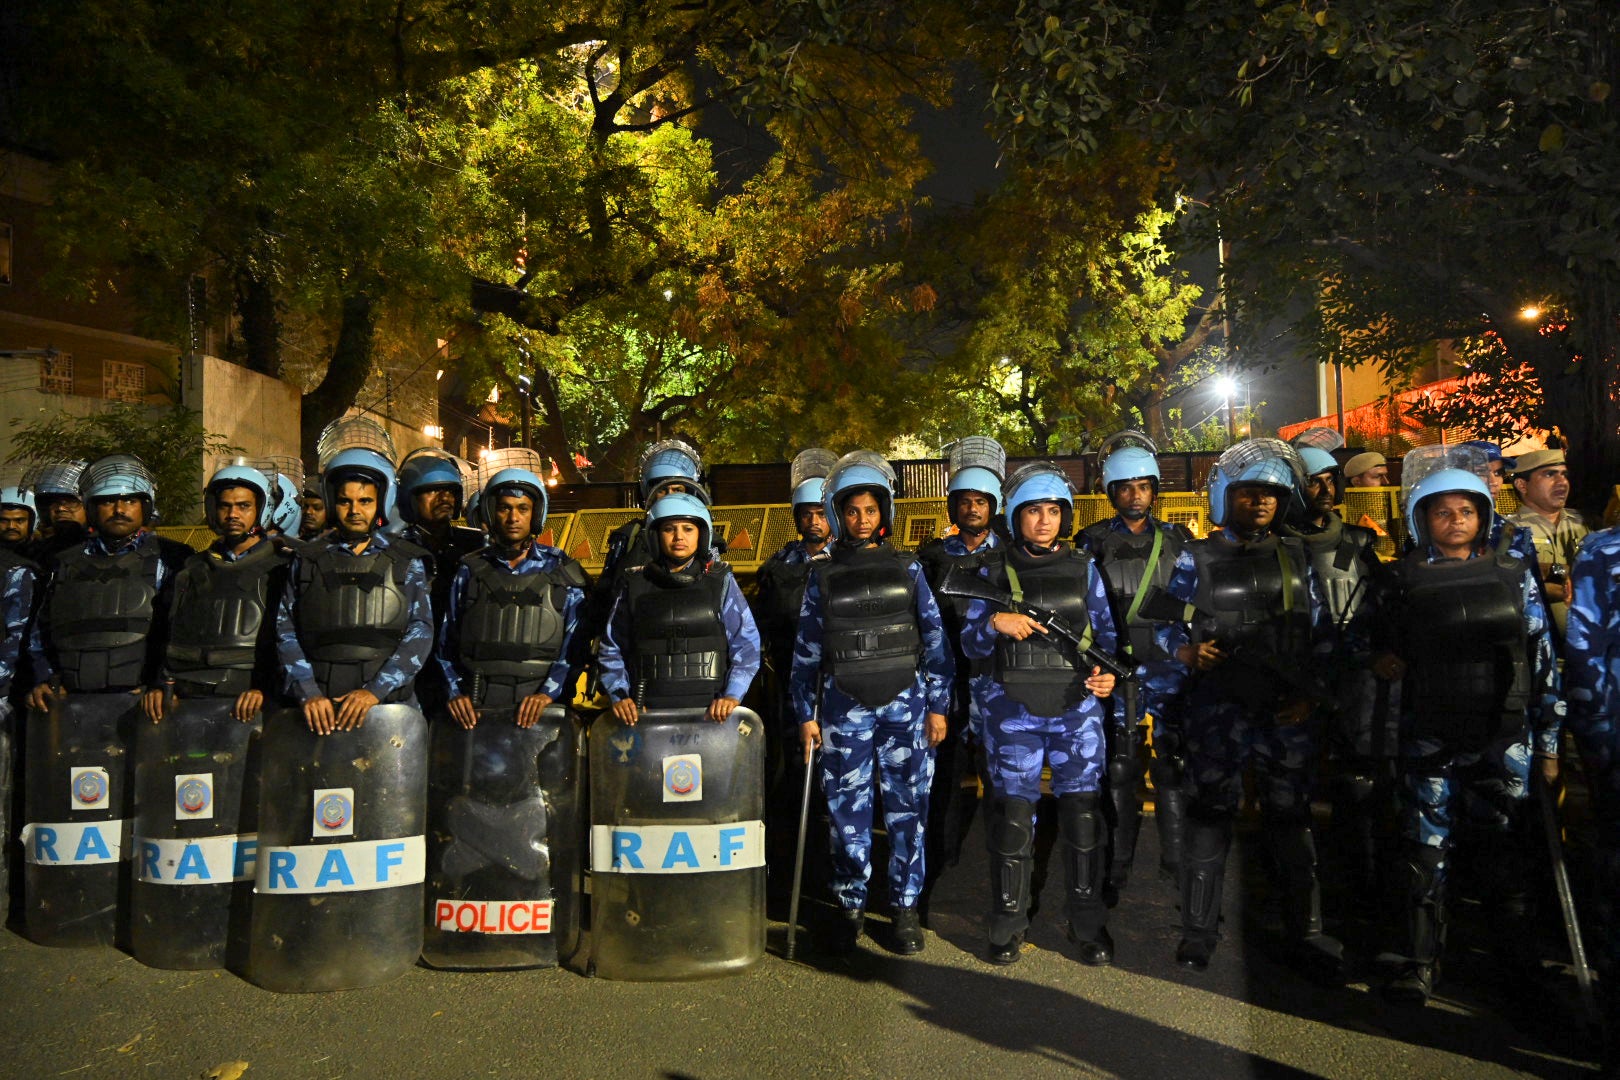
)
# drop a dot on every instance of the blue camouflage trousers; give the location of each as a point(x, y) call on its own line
point(892, 741)
point(1017, 744)
point(1440, 784)
point(1223, 738)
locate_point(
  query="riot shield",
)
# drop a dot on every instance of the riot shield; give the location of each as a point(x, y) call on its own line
point(195, 849)
point(677, 845)
point(337, 897)
point(504, 842)
point(77, 801)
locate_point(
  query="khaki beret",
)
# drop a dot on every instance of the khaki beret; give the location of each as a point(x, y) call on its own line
point(1525, 464)
point(1359, 464)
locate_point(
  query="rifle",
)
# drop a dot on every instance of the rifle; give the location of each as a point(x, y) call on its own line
point(963, 582)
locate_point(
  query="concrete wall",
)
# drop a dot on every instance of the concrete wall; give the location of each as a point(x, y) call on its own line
point(254, 412)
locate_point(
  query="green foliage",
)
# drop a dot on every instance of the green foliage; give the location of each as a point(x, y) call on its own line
point(171, 442)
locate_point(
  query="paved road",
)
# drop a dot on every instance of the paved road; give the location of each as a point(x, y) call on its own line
point(942, 1014)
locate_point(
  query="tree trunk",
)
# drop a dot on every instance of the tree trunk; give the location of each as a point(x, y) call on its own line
point(261, 326)
point(553, 434)
point(346, 373)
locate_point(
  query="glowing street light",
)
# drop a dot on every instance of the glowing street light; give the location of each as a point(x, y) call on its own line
point(1530, 313)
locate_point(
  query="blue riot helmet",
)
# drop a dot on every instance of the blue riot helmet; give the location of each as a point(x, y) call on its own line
point(238, 474)
point(859, 470)
point(356, 448)
point(17, 497)
point(514, 481)
point(683, 507)
point(1492, 452)
point(120, 474)
point(1128, 455)
point(808, 474)
point(1039, 481)
point(672, 461)
point(286, 510)
point(427, 469)
point(1264, 461)
point(474, 509)
point(976, 463)
point(54, 478)
point(1317, 461)
point(1320, 438)
point(1435, 470)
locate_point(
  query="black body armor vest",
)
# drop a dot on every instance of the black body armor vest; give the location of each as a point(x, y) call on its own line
point(1338, 555)
point(936, 563)
point(680, 650)
point(1122, 558)
point(512, 625)
point(1043, 672)
point(870, 641)
point(781, 595)
point(352, 615)
point(99, 616)
point(1254, 600)
point(217, 618)
point(1463, 637)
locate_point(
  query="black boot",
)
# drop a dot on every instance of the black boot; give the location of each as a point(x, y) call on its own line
point(844, 933)
point(1203, 871)
point(1124, 780)
point(1081, 826)
point(1169, 816)
point(1320, 955)
point(907, 931)
point(1010, 834)
point(1422, 876)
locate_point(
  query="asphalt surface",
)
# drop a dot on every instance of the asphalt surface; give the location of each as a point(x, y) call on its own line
point(945, 1013)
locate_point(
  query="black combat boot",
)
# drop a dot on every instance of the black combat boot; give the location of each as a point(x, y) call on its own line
point(1126, 805)
point(1203, 871)
point(1081, 826)
point(1010, 835)
point(1422, 876)
point(1319, 955)
point(907, 931)
point(1169, 817)
point(844, 932)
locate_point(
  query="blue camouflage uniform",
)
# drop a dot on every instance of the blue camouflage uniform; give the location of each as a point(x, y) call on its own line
point(16, 608)
point(1223, 735)
point(893, 737)
point(1592, 686)
point(742, 645)
point(398, 672)
point(1017, 743)
point(537, 558)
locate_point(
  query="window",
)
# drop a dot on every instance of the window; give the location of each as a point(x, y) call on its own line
point(123, 381)
point(5, 253)
point(56, 373)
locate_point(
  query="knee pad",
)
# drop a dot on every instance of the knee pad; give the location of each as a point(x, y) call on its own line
point(1011, 829)
point(1080, 821)
point(1124, 773)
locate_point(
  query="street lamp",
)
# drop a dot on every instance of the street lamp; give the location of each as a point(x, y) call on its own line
point(1227, 388)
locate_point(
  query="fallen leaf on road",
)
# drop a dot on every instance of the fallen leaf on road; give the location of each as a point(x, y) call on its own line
point(227, 1070)
point(127, 1047)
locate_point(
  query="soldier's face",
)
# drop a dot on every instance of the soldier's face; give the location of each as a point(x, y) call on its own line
point(314, 515)
point(1377, 476)
point(236, 511)
point(811, 520)
point(1319, 492)
point(1493, 480)
point(1132, 498)
point(514, 518)
point(861, 516)
point(65, 508)
point(1452, 520)
point(356, 507)
point(14, 524)
point(1546, 488)
point(118, 516)
point(1039, 523)
point(1252, 507)
point(972, 510)
point(678, 540)
point(436, 506)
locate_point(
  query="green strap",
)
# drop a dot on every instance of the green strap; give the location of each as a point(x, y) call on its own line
point(1012, 583)
point(1147, 576)
point(1287, 578)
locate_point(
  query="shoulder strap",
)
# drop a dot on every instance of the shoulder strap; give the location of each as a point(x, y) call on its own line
point(1147, 576)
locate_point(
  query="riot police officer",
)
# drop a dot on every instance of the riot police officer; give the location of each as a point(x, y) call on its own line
point(1469, 636)
point(102, 624)
point(1135, 551)
point(1361, 724)
point(1259, 617)
point(1038, 703)
point(872, 677)
point(313, 506)
point(428, 496)
point(221, 633)
point(62, 520)
point(680, 634)
point(18, 518)
point(512, 608)
point(19, 579)
point(978, 465)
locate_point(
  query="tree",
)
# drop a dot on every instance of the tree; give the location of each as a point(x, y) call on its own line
point(1401, 172)
point(171, 443)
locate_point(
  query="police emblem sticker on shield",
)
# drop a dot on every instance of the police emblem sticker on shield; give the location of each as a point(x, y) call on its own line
point(683, 778)
point(193, 796)
point(334, 812)
point(91, 790)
